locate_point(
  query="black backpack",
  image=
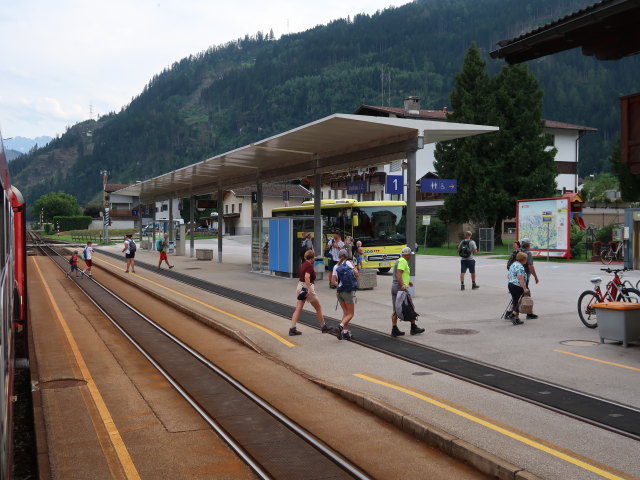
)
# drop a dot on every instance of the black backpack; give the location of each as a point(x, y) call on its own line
point(513, 259)
point(132, 246)
point(465, 249)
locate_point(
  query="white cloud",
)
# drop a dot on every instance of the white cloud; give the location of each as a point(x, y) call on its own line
point(60, 57)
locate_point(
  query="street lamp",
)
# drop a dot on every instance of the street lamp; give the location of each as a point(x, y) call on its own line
point(105, 205)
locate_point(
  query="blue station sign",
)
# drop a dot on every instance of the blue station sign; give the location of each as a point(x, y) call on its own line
point(394, 185)
point(354, 188)
point(438, 185)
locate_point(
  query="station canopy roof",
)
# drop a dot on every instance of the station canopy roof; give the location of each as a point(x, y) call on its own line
point(334, 143)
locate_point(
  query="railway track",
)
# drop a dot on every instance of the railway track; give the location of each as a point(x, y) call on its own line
point(603, 413)
point(261, 435)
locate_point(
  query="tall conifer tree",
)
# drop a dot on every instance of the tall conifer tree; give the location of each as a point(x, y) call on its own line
point(495, 170)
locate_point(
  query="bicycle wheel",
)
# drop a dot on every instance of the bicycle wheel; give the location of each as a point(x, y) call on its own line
point(606, 256)
point(585, 308)
point(638, 285)
point(629, 295)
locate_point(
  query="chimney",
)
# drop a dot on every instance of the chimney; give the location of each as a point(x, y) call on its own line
point(412, 105)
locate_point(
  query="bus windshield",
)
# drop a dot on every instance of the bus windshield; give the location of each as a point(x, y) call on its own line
point(383, 225)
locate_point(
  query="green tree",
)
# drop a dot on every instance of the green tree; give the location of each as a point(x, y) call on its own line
point(55, 204)
point(628, 183)
point(465, 159)
point(595, 187)
point(495, 170)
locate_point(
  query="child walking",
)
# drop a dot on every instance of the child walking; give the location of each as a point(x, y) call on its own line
point(73, 261)
point(87, 255)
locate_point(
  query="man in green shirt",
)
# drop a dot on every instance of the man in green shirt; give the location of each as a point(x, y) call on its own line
point(402, 281)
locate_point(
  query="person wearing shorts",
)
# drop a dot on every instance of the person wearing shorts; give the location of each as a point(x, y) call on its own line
point(468, 263)
point(345, 298)
point(307, 280)
point(163, 251)
point(88, 253)
point(128, 255)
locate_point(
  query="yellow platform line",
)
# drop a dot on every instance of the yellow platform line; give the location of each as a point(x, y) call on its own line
point(266, 330)
point(598, 360)
point(116, 440)
point(496, 428)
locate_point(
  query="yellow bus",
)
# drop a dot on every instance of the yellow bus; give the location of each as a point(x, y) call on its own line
point(379, 225)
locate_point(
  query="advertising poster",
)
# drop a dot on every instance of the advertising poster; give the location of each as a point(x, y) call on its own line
point(545, 221)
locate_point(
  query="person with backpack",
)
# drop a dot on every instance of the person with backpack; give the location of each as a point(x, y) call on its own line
point(466, 249)
point(345, 276)
point(163, 245)
point(73, 261)
point(130, 253)
point(307, 244)
point(87, 254)
point(401, 281)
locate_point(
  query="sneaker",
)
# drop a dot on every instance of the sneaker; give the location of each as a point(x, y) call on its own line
point(462, 287)
point(331, 285)
point(415, 330)
point(474, 287)
point(507, 315)
point(346, 336)
point(294, 331)
point(326, 329)
point(531, 316)
point(396, 332)
point(515, 320)
point(338, 331)
point(90, 276)
point(171, 266)
point(126, 271)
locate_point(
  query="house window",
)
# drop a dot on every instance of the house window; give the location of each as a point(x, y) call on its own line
point(233, 208)
point(396, 166)
point(226, 208)
point(240, 208)
point(329, 195)
point(164, 207)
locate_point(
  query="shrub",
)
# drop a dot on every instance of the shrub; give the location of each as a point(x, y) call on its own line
point(577, 237)
point(72, 223)
point(436, 233)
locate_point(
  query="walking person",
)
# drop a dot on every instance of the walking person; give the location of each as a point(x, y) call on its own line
point(345, 277)
point(307, 244)
point(529, 268)
point(129, 253)
point(334, 245)
point(358, 254)
point(73, 261)
point(163, 245)
point(306, 292)
point(401, 281)
point(87, 254)
point(467, 249)
point(517, 286)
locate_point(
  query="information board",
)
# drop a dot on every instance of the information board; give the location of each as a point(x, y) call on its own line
point(545, 220)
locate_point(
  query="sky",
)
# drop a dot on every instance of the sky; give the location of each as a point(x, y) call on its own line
point(61, 57)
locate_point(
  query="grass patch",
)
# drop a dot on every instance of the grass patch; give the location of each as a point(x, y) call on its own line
point(501, 252)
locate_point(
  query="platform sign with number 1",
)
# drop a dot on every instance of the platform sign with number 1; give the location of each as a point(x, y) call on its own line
point(394, 185)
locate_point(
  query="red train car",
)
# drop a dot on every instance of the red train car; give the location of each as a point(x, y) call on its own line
point(13, 305)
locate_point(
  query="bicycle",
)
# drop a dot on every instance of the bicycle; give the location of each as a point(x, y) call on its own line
point(608, 253)
point(616, 291)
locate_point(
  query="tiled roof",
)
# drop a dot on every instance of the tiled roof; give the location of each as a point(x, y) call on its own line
point(442, 115)
point(274, 190)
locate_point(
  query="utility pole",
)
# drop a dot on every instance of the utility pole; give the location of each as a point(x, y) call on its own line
point(105, 206)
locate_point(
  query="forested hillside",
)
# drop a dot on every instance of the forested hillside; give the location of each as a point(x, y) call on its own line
point(255, 87)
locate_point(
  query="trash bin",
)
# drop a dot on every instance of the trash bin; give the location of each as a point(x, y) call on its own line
point(318, 267)
point(618, 321)
point(367, 279)
point(171, 247)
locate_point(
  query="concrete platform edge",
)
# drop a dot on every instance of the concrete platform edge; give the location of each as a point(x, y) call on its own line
point(39, 425)
point(480, 459)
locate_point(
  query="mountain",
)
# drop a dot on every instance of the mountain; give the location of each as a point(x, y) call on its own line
point(12, 154)
point(255, 87)
point(23, 144)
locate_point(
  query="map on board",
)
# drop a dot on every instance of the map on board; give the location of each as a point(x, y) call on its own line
point(532, 225)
